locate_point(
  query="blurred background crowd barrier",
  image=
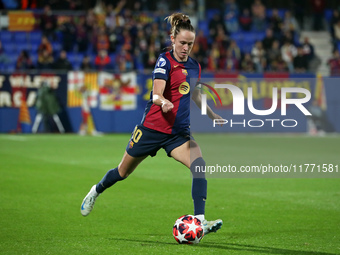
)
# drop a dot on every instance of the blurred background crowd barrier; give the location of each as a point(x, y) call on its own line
point(117, 101)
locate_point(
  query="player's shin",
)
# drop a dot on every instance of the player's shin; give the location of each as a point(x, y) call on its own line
point(110, 178)
point(199, 187)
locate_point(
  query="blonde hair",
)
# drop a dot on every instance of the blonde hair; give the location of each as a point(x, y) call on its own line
point(179, 21)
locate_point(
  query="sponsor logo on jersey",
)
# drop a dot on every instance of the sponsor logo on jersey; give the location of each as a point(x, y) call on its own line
point(175, 66)
point(160, 70)
point(184, 88)
point(161, 62)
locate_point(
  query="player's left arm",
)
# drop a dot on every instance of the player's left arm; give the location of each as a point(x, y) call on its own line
point(197, 98)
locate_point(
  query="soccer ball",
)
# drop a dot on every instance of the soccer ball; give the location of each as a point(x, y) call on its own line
point(188, 230)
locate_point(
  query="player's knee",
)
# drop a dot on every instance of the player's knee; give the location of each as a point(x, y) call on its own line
point(197, 168)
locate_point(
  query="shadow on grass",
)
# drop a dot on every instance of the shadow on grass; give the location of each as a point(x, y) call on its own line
point(260, 249)
point(230, 247)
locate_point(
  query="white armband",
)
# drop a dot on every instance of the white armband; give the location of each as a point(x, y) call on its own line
point(155, 97)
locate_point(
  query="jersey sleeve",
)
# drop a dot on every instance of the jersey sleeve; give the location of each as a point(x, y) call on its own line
point(162, 69)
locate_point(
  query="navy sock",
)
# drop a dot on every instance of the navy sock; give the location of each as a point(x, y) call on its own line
point(110, 178)
point(199, 186)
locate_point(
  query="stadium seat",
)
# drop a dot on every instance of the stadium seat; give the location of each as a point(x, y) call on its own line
point(56, 46)
point(211, 12)
point(269, 13)
point(112, 56)
point(23, 46)
point(35, 37)
point(249, 37)
point(10, 68)
point(76, 66)
point(245, 46)
point(35, 46)
point(75, 58)
point(9, 47)
point(34, 58)
point(238, 36)
point(13, 59)
point(90, 49)
point(203, 25)
point(260, 36)
point(19, 37)
point(59, 36)
point(328, 15)
point(5, 36)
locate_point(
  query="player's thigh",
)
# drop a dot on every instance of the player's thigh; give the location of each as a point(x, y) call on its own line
point(187, 153)
point(128, 164)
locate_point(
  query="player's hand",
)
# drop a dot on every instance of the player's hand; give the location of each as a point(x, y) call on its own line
point(215, 116)
point(167, 106)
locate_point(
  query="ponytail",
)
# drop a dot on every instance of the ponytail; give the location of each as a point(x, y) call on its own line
point(179, 21)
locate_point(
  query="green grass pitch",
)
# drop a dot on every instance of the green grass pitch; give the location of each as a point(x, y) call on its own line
point(44, 179)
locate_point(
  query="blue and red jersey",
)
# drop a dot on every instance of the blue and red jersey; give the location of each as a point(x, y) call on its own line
point(177, 90)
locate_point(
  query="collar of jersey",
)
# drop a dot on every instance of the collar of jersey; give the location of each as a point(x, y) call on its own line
point(172, 55)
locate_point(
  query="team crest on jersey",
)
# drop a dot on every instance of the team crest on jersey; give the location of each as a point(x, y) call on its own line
point(185, 72)
point(131, 144)
point(161, 62)
point(184, 88)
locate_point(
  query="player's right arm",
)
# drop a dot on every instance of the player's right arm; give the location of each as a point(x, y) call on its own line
point(157, 95)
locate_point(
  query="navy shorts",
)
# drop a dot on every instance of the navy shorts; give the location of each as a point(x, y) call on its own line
point(145, 141)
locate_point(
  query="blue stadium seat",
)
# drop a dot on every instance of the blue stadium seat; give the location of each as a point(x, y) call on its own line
point(139, 66)
point(92, 57)
point(253, 36)
point(10, 68)
point(35, 37)
point(34, 58)
point(76, 66)
point(269, 13)
point(5, 36)
point(238, 36)
point(13, 58)
point(56, 46)
point(112, 56)
point(9, 47)
point(19, 37)
point(35, 46)
point(23, 46)
point(260, 36)
point(203, 25)
point(75, 58)
point(59, 36)
point(211, 12)
point(249, 37)
point(245, 46)
point(282, 13)
point(90, 49)
point(328, 15)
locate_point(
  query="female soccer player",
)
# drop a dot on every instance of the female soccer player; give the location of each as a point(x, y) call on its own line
point(166, 121)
